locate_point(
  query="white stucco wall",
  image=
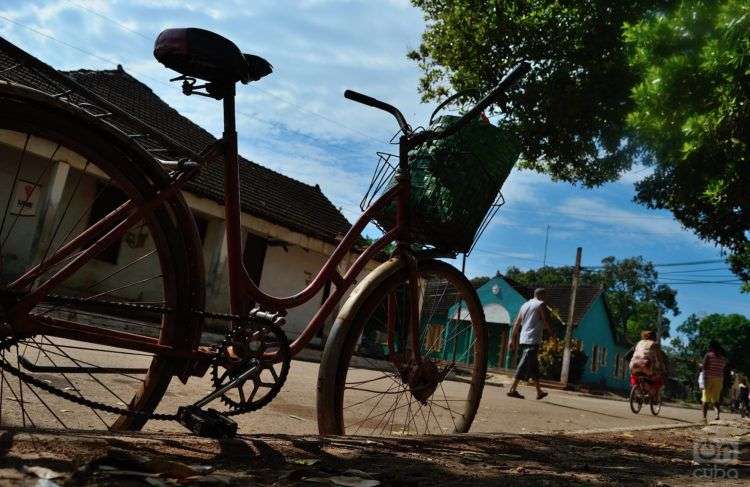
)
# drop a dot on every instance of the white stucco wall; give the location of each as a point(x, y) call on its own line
point(287, 268)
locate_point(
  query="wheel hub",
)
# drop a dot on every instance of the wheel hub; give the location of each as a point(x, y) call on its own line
point(423, 379)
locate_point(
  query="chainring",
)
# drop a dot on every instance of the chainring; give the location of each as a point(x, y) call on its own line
point(244, 348)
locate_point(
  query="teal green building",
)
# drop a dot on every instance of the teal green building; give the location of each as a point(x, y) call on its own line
point(603, 344)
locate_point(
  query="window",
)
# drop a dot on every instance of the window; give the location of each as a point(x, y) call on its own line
point(594, 358)
point(618, 366)
point(107, 200)
point(435, 337)
point(603, 357)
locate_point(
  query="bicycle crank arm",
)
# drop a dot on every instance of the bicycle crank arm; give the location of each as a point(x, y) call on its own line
point(229, 385)
point(26, 364)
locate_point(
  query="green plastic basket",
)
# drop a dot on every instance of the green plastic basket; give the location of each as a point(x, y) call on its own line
point(455, 183)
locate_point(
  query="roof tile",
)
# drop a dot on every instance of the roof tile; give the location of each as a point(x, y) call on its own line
point(265, 193)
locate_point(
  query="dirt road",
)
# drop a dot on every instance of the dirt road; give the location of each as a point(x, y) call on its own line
point(656, 457)
point(293, 411)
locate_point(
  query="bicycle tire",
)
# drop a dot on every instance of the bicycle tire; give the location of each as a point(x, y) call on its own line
point(636, 402)
point(336, 362)
point(655, 404)
point(129, 169)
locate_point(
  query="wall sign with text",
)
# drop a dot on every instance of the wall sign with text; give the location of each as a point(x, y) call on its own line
point(25, 198)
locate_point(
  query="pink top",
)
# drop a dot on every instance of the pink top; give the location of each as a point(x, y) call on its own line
point(714, 365)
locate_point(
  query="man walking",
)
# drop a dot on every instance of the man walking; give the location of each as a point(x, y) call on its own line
point(527, 331)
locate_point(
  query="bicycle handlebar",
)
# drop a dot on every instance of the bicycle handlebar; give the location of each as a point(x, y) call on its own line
point(509, 80)
point(515, 75)
point(370, 101)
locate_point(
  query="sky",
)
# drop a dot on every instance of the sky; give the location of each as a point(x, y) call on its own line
point(297, 122)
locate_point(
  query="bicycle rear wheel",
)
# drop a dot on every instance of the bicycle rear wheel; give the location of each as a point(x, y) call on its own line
point(63, 172)
point(367, 387)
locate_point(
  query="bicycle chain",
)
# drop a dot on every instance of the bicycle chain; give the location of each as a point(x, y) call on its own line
point(6, 344)
point(29, 379)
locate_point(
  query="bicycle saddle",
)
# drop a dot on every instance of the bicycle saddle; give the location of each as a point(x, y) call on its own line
point(205, 55)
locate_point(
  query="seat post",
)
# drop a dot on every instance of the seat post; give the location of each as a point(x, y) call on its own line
point(232, 211)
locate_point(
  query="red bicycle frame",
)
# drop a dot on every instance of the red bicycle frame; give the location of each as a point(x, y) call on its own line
point(242, 289)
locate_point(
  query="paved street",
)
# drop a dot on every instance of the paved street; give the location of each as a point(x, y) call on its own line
point(293, 411)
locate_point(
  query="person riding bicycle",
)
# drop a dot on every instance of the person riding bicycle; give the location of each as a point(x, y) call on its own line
point(648, 362)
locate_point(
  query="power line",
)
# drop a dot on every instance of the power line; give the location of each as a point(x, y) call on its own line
point(691, 271)
point(269, 93)
point(608, 217)
point(725, 283)
point(276, 125)
point(120, 24)
point(689, 263)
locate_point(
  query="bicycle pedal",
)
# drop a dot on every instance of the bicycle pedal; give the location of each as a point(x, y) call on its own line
point(208, 423)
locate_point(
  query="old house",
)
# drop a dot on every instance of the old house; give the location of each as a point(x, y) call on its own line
point(289, 227)
point(602, 343)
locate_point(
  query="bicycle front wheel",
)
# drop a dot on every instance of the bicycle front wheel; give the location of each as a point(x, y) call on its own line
point(372, 382)
point(636, 400)
point(62, 173)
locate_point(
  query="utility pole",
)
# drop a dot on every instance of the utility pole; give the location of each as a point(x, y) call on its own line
point(546, 241)
point(659, 327)
point(565, 372)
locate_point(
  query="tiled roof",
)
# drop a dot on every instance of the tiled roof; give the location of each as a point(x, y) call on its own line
point(558, 298)
point(265, 193)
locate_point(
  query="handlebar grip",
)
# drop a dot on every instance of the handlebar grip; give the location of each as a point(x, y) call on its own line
point(370, 101)
point(366, 100)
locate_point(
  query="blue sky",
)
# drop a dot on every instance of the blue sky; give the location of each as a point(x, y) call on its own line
point(297, 122)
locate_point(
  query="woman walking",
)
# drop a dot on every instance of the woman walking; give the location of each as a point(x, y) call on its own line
point(714, 364)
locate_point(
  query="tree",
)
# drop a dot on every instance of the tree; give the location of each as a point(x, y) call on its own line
point(570, 113)
point(479, 281)
point(732, 331)
point(692, 113)
point(671, 92)
point(631, 286)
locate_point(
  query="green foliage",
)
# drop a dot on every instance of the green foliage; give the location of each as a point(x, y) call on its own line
point(570, 113)
point(550, 359)
point(479, 281)
point(732, 331)
point(631, 287)
point(662, 82)
point(692, 112)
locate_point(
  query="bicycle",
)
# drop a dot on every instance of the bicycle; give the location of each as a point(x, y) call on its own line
point(641, 392)
point(113, 349)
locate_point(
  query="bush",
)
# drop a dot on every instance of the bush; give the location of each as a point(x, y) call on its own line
point(551, 355)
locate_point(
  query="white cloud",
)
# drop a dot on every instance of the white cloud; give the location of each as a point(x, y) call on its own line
point(628, 224)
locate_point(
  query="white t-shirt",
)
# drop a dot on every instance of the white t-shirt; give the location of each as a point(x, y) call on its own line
point(531, 322)
point(701, 381)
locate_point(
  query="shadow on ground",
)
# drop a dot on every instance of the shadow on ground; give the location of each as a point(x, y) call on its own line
point(621, 458)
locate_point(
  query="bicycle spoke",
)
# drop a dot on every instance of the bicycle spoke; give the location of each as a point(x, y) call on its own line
point(20, 391)
point(78, 364)
point(65, 212)
point(24, 414)
point(73, 387)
